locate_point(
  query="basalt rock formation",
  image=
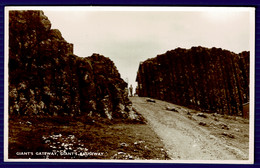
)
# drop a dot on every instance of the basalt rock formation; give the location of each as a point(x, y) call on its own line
point(212, 80)
point(46, 78)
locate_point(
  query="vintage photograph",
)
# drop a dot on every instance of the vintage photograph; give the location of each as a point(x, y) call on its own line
point(129, 84)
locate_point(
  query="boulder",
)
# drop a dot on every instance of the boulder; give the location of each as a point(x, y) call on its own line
point(172, 109)
point(151, 100)
point(202, 115)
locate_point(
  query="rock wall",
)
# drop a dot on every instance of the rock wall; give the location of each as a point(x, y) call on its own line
point(213, 80)
point(46, 78)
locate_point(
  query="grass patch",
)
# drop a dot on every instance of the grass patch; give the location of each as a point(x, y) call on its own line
point(75, 138)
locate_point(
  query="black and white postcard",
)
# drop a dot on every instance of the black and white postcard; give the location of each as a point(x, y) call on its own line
point(129, 84)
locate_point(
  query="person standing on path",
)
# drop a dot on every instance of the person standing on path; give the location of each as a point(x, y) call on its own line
point(131, 90)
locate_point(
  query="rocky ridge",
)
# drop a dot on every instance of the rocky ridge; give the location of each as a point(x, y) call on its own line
point(211, 80)
point(46, 78)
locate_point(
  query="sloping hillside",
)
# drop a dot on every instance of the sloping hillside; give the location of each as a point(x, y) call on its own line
point(192, 135)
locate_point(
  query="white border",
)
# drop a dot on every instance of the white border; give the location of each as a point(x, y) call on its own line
point(91, 8)
point(252, 86)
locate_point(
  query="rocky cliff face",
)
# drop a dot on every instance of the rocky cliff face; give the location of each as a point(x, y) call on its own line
point(46, 78)
point(213, 80)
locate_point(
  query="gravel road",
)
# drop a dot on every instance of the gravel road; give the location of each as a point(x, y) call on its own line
point(184, 138)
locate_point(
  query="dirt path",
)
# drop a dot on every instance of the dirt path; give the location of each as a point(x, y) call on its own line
point(184, 138)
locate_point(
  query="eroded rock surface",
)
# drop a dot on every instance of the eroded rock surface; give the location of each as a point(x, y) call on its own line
point(211, 80)
point(46, 78)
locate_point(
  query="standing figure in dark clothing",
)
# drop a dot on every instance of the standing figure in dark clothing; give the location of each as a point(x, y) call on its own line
point(131, 90)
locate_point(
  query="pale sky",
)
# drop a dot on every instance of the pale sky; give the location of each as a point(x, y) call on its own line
point(128, 37)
